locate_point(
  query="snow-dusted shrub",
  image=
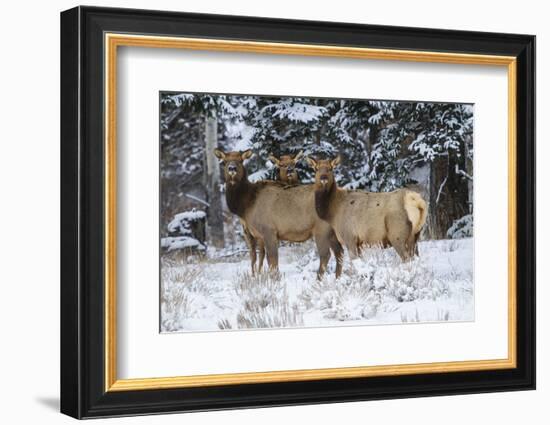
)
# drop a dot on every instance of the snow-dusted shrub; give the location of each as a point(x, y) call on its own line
point(260, 290)
point(449, 245)
point(376, 281)
point(392, 278)
point(303, 254)
point(182, 223)
point(408, 282)
point(442, 315)
point(264, 303)
point(191, 278)
point(462, 228)
point(176, 305)
point(277, 314)
point(205, 293)
point(224, 324)
point(307, 261)
point(184, 293)
point(376, 257)
point(187, 232)
point(342, 299)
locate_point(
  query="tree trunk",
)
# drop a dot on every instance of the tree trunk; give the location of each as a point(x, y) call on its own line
point(448, 195)
point(215, 212)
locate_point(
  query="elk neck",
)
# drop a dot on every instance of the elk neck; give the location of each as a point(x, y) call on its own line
point(324, 196)
point(240, 195)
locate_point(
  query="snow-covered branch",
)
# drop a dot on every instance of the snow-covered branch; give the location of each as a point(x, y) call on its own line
point(463, 173)
point(194, 198)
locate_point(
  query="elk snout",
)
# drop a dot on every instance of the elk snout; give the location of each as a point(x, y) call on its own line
point(323, 179)
point(231, 169)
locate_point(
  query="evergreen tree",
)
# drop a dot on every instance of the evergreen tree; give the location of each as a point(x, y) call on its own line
point(383, 144)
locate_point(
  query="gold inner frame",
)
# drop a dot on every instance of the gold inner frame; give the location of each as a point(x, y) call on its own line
point(113, 41)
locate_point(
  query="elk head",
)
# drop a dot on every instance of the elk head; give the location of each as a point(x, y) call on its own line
point(324, 172)
point(234, 171)
point(287, 167)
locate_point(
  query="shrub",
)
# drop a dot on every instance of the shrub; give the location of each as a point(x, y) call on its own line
point(342, 299)
point(462, 228)
point(183, 293)
point(377, 280)
point(264, 303)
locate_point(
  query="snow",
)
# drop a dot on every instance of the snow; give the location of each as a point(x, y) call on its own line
point(199, 293)
point(172, 243)
point(462, 228)
point(192, 215)
point(180, 222)
point(294, 111)
point(242, 134)
point(258, 175)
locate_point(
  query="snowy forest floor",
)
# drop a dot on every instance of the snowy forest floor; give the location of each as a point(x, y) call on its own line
point(216, 292)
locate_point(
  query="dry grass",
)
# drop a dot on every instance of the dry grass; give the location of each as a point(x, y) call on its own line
point(342, 299)
point(264, 303)
point(277, 314)
point(210, 293)
point(379, 276)
point(180, 288)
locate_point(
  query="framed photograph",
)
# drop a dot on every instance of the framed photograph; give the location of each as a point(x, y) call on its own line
point(261, 212)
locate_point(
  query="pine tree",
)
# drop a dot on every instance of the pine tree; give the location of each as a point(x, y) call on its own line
point(210, 114)
point(382, 144)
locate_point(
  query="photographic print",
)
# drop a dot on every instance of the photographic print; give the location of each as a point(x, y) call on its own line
point(285, 212)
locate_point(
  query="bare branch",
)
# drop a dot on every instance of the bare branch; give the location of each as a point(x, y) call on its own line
point(440, 190)
point(463, 173)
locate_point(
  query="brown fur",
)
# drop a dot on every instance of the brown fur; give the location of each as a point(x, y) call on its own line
point(274, 212)
point(367, 218)
point(287, 167)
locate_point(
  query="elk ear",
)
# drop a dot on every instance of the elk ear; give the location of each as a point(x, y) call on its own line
point(336, 161)
point(220, 154)
point(274, 160)
point(297, 157)
point(246, 154)
point(312, 163)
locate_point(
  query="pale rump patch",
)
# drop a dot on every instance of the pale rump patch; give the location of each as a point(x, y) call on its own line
point(417, 210)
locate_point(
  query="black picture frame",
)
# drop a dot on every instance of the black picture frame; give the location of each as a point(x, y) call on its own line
point(83, 392)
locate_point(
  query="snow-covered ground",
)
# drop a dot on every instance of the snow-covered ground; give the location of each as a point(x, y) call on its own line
point(207, 294)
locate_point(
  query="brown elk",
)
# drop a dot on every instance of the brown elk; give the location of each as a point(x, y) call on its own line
point(287, 167)
point(273, 212)
point(367, 218)
point(288, 175)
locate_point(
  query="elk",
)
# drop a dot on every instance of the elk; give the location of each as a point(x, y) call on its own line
point(287, 167)
point(288, 175)
point(273, 212)
point(362, 218)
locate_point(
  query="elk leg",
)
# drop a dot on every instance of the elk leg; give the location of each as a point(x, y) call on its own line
point(399, 246)
point(338, 252)
point(399, 229)
point(416, 244)
point(323, 248)
point(272, 251)
point(251, 243)
point(261, 251)
point(359, 248)
point(410, 245)
point(353, 251)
